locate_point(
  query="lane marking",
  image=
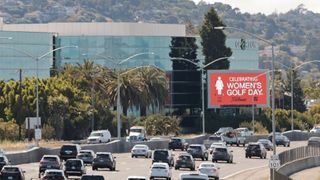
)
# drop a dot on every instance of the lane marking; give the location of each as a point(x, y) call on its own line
point(242, 171)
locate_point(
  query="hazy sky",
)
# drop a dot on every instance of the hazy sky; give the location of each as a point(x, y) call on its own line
point(268, 6)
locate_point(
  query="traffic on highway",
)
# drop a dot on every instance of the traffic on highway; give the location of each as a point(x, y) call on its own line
point(179, 160)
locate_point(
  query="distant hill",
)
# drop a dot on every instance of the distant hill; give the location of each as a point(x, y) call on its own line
point(296, 32)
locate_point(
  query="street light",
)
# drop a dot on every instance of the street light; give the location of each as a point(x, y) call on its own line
point(118, 84)
point(273, 83)
point(202, 66)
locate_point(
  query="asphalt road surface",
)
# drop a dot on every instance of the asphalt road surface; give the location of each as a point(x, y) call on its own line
point(127, 166)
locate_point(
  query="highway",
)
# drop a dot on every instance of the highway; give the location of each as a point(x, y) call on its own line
point(140, 166)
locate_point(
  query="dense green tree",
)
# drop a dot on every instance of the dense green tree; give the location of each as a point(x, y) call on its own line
point(214, 41)
point(298, 96)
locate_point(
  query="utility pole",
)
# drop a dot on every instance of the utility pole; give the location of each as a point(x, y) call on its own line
point(19, 116)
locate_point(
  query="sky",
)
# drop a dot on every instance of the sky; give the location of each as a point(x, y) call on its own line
point(268, 6)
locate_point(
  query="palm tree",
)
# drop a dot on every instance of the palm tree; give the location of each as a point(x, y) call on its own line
point(154, 89)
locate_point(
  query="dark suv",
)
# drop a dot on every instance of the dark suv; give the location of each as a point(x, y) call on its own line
point(104, 160)
point(198, 151)
point(12, 172)
point(49, 162)
point(163, 155)
point(256, 149)
point(92, 177)
point(185, 161)
point(69, 151)
point(74, 167)
point(178, 143)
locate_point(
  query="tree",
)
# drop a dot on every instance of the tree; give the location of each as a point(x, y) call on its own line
point(214, 41)
point(298, 96)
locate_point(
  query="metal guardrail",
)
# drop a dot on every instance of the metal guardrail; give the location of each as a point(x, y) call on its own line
point(298, 153)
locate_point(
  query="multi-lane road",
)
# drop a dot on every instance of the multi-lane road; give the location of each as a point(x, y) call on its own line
point(140, 166)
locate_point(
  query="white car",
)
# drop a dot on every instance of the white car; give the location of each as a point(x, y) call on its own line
point(160, 170)
point(193, 176)
point(215, 145)
point(315, 129)
point(141, 150)
point(54, 174)
point(209, 169)
point(101, 136)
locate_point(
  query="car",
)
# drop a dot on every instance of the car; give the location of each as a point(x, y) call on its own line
point(222, 154)
point(3, 161)
point(69, 151)
point(74, 167)
point(244, 131)
point(49, 162)
point(92, 177)
point(256, 149)
point(86, 155)
point(136, 178)
point(314, 141)
point(178, 143)
point(54, 174)
point(193, 176)
point(212, 139)
point(163, 155)
point(104, 160)
point(141, 150)
point(100, 136)
point(12, 172)
point(280, 139)
point(266, 143)
point(137, 133)
point(160, 170)
point(185, 161)
point(216, 145)
point(315, 129)
point(209, 169)
point(198, 151)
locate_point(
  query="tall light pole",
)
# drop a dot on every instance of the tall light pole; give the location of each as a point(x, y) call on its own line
point(202, 67)
point(273, 83)
point(292, 69)
point(118, 63)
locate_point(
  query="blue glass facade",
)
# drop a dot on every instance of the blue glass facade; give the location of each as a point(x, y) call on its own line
point(105, 49)
point(18, 50)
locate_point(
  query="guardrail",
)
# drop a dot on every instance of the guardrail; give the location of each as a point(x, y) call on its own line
point(295, 160)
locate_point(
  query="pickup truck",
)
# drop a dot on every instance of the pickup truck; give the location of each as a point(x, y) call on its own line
point(234, 137)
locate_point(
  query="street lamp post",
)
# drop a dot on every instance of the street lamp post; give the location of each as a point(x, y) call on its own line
point(118, 84)
point(202, 66)
point(273, 81)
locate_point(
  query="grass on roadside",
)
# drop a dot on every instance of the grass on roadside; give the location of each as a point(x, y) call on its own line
point(25, 145)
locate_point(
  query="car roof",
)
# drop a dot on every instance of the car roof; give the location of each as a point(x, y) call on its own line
point(193, 175)
point(204, 163)
point(254, 143)
point(263, 140)
point(54, 170)
point(51, 156)
point(74, 159)
point(314, 138)
point(195, 145)
point(159, 164)
point(86, 150)
point(185, 154)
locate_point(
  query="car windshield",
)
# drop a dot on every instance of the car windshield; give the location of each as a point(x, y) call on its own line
point(103, 156)
point(140, 147)
point(51, 159)
point(253, 146)
point(193, 178)
point(158, 167)
point(11, 169)
point(68, 147)
point(184, 158)
point(56, 173)
point(136, 130)
point(160, 154)
point(96, 134)
point(1, 159)
point(73, 163)
point(195, 147)
point(221, 150)
point(176, 140)
point(92, 178)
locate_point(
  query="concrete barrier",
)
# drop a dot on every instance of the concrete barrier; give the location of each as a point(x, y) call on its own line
point(117, 146)
point(298, 165)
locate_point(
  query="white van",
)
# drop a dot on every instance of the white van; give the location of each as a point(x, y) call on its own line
point(101, 136)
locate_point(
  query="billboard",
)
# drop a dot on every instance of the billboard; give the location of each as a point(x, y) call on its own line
point(238, 88)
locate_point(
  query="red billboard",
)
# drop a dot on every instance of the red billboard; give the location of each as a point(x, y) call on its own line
point(236, 88)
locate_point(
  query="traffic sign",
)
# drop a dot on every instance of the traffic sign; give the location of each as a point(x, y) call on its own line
point(37, 134)
point(274, 163)
point(274, 157)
